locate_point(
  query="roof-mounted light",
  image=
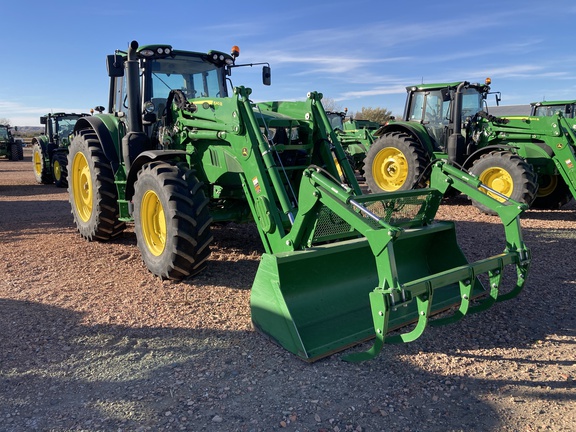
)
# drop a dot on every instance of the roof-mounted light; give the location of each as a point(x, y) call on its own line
point(147, 52)
point(488, 81)
point(235, 51)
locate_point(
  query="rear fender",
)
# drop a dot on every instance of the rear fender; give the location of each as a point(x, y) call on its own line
point(148, 156)
point(108, 129)
point(413, 129)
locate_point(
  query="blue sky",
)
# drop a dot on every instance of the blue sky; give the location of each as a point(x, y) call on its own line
point(357, 53)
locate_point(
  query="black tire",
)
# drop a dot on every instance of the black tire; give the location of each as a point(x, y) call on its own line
point(20, 149)
point(171, 221)
point(42, 171)
point(553, 193)
point(91, 189)
point(506, 173)
point(60, 169)
point(395, 161)
point(16, 151)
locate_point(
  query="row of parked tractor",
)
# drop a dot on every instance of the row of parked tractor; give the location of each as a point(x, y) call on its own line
point(180, 148)
point(528, 158)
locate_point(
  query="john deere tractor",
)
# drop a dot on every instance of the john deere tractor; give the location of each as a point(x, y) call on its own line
point(439, 122)
point(50, 150)
point(179, 147)
point(11, 148)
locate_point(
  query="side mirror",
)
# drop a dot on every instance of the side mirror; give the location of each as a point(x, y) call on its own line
point(115, 65)
point(266, 75)
point(43, 120)
point(149, 118)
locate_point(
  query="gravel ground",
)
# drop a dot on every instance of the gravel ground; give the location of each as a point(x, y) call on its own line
point(91, 341)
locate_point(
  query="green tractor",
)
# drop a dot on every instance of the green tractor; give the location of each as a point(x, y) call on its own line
point(12, 149)
point(439, 122)
point(550, 108)
point(50, 150)
point(546, 143)
point(179, 148)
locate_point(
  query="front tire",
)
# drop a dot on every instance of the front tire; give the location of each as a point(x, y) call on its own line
point(171, 221)
point(60, 169)
point(506, 173)
point(91, 189)
point(553, 193)
point(395, 161)
point(42, 172)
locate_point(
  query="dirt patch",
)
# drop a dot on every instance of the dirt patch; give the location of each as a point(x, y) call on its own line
point(92, 341)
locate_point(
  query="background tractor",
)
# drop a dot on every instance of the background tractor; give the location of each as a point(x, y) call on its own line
point(50, 150)
point(180, 148)
point(356, 136)
point(12, 149)
point(546, 143)
point(439, 122)
point(550, 108)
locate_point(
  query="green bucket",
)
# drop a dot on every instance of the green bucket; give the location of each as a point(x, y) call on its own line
point(315, 302)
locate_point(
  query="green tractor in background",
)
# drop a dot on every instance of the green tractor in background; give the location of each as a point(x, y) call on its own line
point(550, 108)
point(356, 136)
point(50, 150)
point(439, 122)
point(179, 148)
point(11, 148)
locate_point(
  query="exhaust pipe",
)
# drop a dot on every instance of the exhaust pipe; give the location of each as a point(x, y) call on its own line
point(135, 141)
point(456, 147)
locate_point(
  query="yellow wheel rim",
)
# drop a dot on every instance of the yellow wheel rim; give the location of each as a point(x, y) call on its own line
point(57, 169)
point(38, 163)
point(153, 223)
point(499, 180)
point(390, 169)
point(81, 187)
point(547, 185)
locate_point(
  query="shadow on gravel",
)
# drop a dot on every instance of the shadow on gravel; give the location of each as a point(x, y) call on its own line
point(57, 374)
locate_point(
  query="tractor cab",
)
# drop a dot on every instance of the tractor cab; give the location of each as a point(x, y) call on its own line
point(550, 108)
point(432, 105)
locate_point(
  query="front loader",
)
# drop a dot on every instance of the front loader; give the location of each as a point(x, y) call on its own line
point(180, 148)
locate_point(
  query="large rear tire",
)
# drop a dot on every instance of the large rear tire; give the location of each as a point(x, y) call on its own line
point(553, 193)
point(506, 173)
point(395, 161)
point(171, 221)
point(60, 169)
point(91, 189)
point(42, 172)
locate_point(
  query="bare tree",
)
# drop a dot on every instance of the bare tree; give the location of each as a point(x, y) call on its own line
point(4, 121)
point(379, 115)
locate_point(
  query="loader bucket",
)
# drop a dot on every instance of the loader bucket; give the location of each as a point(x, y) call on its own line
point(316, 301)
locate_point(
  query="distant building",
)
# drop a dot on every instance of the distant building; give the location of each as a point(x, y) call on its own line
point(509, 110)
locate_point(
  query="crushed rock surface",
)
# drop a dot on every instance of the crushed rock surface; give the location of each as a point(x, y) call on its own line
point(91, 341)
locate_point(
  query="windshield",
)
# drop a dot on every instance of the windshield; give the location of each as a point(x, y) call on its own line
point(550, 110)
point(194, 76)
point(335, 120)
point(3, 133)
point(65, 126)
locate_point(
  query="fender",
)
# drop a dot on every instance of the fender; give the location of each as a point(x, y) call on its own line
point(413, 129)
point(107, 132)
point(149, 156)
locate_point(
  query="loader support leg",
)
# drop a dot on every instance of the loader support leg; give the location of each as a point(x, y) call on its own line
point(466, 289)
point(380, 303)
